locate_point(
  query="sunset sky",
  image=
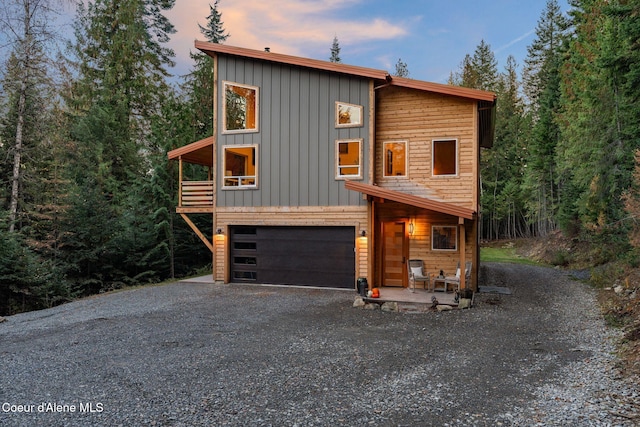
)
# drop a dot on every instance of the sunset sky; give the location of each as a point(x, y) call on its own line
point(431, 36)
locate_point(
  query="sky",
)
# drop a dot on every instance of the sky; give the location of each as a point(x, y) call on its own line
point(431, 36)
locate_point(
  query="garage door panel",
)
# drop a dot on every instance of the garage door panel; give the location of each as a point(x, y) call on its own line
point(316, 256)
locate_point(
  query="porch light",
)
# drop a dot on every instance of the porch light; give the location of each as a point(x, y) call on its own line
point(411, 228)
point(363, 233)
point(219, 231)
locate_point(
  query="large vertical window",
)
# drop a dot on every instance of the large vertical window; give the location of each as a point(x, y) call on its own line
point(444, 157)
point(240, 167)
point(395, 159)
point(444, 237)
point(240, 108)
point(349, 159)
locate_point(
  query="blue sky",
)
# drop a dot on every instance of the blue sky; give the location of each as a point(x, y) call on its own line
point(431, 36)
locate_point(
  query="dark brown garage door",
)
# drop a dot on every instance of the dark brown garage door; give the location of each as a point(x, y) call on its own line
point(311, 256)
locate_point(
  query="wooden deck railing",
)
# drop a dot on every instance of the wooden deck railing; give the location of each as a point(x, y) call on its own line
point(196, 194)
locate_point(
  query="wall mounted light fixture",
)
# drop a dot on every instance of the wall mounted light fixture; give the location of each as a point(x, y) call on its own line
point(363, 233)
point(219, 231)
point(411, 227)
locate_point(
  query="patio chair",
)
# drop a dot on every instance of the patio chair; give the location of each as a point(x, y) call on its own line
point(455, 280)
point(416, 273)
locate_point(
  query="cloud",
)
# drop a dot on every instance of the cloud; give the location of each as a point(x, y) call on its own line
point(294, 27)
point(514, 41)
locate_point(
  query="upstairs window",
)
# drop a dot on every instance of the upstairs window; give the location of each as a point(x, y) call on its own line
point(239, 167)
point(349, 159)
point(348, 115)
point(240, 108)
point(444, 157)
point(395, 159)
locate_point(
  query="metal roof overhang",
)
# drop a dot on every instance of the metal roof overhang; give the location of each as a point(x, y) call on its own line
point(409, 199)
point(199, 152)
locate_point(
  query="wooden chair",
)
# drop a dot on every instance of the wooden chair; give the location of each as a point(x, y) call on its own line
point(455, 280)
point(416, 273)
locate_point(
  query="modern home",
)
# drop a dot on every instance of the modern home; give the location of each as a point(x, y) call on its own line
point(322, 173)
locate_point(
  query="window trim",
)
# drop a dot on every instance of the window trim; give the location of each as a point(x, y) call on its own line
point(433, 227)
point(339, 176)
point(226, 83)
point(433, 159)
point(406, 159)
point(224, 168)
point(348, 125)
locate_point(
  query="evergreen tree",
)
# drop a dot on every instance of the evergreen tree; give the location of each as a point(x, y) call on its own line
point(542, 86)
point(335, 50)
point(121, 84)
point(198, 84)
point(401, 69)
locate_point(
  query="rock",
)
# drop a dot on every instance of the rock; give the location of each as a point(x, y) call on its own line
point(389, 306)
point(464, 303)
point(371, 306)
point(618, 289)
point(444, 307)
point(2, 319)
point(359, 302)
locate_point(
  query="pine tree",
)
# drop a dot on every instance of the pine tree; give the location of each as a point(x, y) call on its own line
point(335, 50)
point(121, 65)
point(401, 69)
point(198, 84)
point(542, 87)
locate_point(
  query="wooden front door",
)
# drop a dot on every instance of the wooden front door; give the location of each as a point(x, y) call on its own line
point(394, 254)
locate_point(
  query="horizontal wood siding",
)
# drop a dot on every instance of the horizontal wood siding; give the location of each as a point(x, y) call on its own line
point(420, 242)
point(418, 118)
point(297, 134)
point(353, 216)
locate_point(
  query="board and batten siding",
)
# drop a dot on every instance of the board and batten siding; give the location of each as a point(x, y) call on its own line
point(419, 117)
point(296, 136)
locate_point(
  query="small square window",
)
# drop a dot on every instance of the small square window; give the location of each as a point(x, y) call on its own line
point(395, 159)
point(240, 108)
point(349, 159)
point(444, 157)
point(348, 115)
point(240, 170)
point(444, 238)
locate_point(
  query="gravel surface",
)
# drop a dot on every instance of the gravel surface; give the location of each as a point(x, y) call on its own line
point(205, 355)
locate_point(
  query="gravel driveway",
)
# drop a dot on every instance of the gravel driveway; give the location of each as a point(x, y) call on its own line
point(216, 355)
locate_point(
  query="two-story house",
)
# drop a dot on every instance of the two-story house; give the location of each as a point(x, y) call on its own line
point(322, 173)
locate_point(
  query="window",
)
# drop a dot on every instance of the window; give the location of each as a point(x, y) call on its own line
point(444, 155)
point(239, 167)
point(240, 108)
point(395, 159)
point(444, 238)
point(348, 115)
point(348, 159)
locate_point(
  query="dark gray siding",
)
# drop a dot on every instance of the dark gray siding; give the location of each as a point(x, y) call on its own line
point(297, 134)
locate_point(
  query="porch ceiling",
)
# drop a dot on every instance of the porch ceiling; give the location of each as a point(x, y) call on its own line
point(409, 199)
point(199, 152)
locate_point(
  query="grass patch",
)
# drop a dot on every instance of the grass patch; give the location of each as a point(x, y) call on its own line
point(508, 254)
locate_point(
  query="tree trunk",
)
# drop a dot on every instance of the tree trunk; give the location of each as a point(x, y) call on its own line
point(17, 160)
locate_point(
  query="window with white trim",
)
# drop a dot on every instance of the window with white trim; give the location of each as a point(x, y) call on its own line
point(239, 108)
point(349, 159)
point(444, 238)
point(240, 166)
point(444, 157)
point(395, 159)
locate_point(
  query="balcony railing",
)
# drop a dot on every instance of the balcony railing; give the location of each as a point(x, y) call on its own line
point(196, 194)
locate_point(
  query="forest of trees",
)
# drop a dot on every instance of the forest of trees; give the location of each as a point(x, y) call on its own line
point(87, 196)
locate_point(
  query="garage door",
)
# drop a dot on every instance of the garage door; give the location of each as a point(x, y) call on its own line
point(311, 256)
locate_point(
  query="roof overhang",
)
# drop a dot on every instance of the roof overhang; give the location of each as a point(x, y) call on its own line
point(199, 152)
point(381, 76)
point(409, 199)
